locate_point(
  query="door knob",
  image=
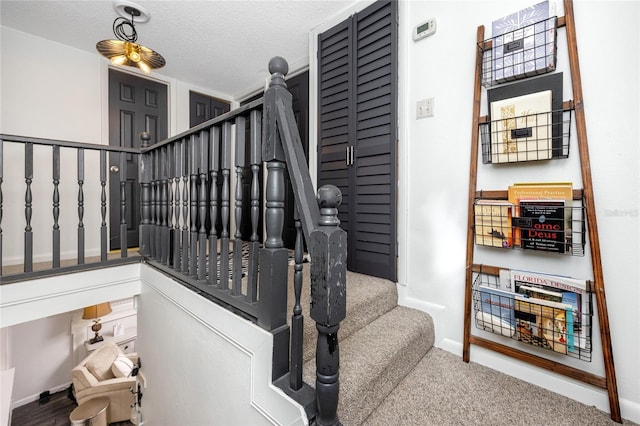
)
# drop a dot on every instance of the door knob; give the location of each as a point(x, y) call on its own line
point(114, 169)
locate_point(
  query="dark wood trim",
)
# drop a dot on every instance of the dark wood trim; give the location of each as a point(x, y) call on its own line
point(547, 364)
point(473, 180)
point(596, 257)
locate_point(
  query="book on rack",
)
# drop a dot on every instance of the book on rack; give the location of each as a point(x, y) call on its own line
point(496, 311)
point(572, 293)
point(538, 191)
point(521, 128)
point(492, 220)
point(540, 293)
point(524, 43)
point(542, 225)
point(544, 323)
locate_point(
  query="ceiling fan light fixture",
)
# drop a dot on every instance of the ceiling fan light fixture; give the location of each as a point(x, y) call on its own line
point(125, 50)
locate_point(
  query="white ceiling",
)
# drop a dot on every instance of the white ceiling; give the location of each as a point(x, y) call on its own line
point(220, 45)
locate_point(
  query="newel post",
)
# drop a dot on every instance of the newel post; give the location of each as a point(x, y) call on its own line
point(274, 257)
point(328, 249)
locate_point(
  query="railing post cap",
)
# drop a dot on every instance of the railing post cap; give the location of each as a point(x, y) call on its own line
point(145, 137)
point(279, 65)
point(329, 198)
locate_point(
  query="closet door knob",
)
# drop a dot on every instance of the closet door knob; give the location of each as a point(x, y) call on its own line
point(114, 169)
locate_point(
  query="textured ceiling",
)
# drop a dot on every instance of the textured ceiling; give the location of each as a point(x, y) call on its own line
point(220, 45)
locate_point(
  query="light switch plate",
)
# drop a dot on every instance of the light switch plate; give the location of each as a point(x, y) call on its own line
point(424, 108)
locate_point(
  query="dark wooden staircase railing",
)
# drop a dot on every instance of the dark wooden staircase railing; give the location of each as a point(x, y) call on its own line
point(186, 184)
point(55, 262)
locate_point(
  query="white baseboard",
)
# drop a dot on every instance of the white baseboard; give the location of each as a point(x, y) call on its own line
point(31, 398)
point(437, 312)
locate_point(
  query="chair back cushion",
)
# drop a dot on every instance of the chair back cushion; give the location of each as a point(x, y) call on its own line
point(100, 363)
point(122, 366)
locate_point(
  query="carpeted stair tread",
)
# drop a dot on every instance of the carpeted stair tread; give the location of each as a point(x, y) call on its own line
point(367, 299)
point(374, 359)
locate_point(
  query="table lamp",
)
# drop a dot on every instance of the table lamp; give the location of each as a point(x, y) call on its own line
point(95, 312)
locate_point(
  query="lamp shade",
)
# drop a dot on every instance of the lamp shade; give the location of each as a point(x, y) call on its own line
point(96, 311)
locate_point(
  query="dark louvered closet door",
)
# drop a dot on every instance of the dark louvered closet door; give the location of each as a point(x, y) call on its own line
point(365, 164)
point(334, 95)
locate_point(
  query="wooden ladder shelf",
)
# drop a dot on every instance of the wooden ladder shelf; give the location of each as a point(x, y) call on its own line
point(609, 381)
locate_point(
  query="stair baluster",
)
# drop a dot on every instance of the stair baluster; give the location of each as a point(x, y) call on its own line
point(236, 287)
point(56, 206)
point(177, 172)
point(214, 161)
point(123, 208)
point(155, 198)
point(297, 319)
point(225, 165)
point(28, 208)
point(146, 194)
point(164, 207)
point(203, 167)
point(168, 230)
point(103, 206)
point(193, 202)
point(81, 206)
point(256, 160)
point(185, 206)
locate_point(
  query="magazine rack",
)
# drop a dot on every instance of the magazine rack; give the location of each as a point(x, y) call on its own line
point(473, 271)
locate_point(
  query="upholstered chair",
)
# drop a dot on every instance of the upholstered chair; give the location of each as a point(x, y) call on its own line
point(106, 372)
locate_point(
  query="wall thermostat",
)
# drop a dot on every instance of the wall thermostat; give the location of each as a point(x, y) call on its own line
point(424, 29)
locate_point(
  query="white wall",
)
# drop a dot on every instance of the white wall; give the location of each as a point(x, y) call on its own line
point(203, 364)
point(434, 177)
point(42, 356)
point(434, 165)
point(54, 91)
point(38, 318)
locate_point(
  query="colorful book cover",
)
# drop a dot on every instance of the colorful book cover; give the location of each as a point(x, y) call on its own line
point(574, 294)
point(549, 281)
point(542, 226)
point(523, 43)
point(571, 299)
point(540, 293)
point(521, 128)
point(496, 312)
point(492, 221)
point(544, 319)
point(540, 191)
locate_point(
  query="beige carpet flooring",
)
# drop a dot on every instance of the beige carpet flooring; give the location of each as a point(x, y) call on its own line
point(443, 390)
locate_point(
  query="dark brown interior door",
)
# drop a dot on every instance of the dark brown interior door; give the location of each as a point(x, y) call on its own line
point(135, 105)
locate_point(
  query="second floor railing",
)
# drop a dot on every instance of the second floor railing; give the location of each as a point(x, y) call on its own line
point(202, 208)
point(57, 218)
